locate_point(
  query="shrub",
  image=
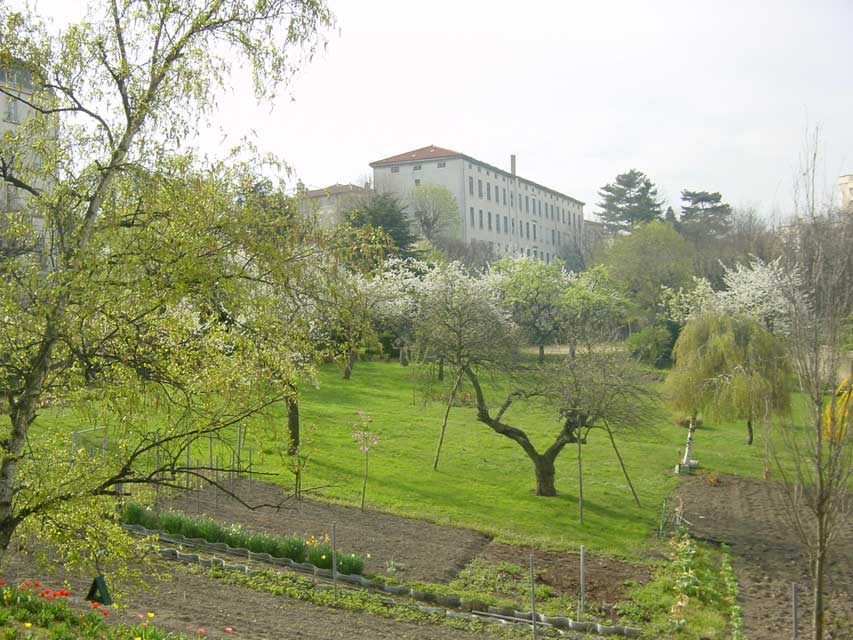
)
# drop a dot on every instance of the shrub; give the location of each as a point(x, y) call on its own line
point(652, 345)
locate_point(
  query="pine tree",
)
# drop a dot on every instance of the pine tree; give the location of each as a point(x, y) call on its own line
point(704, 215)
point(629, 201)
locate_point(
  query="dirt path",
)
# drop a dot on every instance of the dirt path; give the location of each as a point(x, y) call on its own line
point(750, 516)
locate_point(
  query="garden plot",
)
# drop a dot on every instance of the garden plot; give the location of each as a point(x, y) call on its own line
point(750, 516)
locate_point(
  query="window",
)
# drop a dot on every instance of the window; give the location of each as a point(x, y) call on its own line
point(548, 258)
point(512, 200)
point(470, 185)
point(504, 192)
point(488, 191)
point(526, 204)
point(527, 225)
point(479, 169)
point(540, 208)
point(506, 224)
point(472, 217)
point(479, 187)
point(417, 182)
point(553, 237)
point(490, 220)
point(513, 226)
point(442, 164)
point(395, 169)
point(534, 231)
point(481, 218)
point(417, 167)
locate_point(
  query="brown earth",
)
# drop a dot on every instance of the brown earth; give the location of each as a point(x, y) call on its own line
point(750, 516)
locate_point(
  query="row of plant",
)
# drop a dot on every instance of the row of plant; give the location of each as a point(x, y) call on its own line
point(291, 585)
point(316, 550)
point(32, 611)
point(693, 596)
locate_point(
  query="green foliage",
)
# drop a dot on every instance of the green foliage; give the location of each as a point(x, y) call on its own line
point(652, 345)
point(704, 215)
point(652, 256)
point(434, 211)
point(316, 551)
point(629, 201)
point(385, 211)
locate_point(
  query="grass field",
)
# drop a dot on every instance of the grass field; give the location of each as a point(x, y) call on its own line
point(484, 481)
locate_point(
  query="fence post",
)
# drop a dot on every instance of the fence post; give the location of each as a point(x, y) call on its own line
point(239, 445)
point(250, 467)
point(334, 562)
point(188, 466)
point(533, 596)
point(581, 589)
point(210, 450)
point(794, 610)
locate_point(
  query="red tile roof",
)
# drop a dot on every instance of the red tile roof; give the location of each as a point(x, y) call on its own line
point(425, 153)
point(335, 190)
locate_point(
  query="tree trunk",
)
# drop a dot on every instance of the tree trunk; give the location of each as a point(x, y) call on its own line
point(817, 585)
point(688, 451)
point(349, 365)
point(541, 353)
point(293, 426)
point(404, 355)
point(446, 416)
point(749, 430)
point(544, 468)
point(580, 475)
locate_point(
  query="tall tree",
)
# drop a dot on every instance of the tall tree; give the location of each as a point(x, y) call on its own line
point(652, 256)
point(629, 201)
point(148, 280)
point(435, 212)
point(704, 215)
point(385, 211)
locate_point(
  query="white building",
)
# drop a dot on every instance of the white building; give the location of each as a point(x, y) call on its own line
point(516, 216)
point(331, 204)
point(845, 188)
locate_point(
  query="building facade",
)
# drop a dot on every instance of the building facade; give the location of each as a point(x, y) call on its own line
point(845, 188)
point(514, 215)
point(331, 204)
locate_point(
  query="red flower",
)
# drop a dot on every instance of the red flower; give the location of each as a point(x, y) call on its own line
point(27, 583)
point(37, 583)
point(95, 605)
point(105, 612)
point(22, 587)
point(2, 581)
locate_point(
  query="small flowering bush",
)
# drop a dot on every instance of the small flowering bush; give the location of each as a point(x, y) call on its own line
point(366, 440)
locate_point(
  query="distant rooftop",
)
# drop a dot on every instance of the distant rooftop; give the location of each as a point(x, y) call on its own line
point(424, 153)
point(335, 190)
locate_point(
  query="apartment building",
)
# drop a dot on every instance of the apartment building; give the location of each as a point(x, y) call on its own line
point(514, 215)
point(331, 204)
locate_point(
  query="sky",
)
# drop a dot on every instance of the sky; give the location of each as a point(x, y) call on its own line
point(713, 96)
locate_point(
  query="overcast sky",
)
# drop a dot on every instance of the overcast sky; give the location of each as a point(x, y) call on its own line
point(702, 95)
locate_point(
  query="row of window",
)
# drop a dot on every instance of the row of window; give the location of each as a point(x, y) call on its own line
point(536, 254)
point(486, 223)
point(531, 204)
point(417, 167)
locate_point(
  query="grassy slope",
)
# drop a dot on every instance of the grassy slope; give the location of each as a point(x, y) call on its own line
point(485, 481)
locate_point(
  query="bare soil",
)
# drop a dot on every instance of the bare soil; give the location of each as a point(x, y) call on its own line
point(425, 551)
point(750, 516)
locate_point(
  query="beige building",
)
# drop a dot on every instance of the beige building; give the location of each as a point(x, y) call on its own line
point(514, 215)
point(331, 204)
point(845, 189)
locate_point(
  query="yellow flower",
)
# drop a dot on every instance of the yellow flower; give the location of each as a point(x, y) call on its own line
point(368, 556)
point(138, 638)
point(150, 615)
point(28, 624)
point(323, 557)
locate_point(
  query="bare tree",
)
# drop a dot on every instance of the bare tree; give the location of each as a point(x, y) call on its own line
point(815, 458)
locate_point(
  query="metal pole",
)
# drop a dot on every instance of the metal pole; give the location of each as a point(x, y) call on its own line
point(533, 596)
point(794, 608)
point(581, 590)
point(334, 563)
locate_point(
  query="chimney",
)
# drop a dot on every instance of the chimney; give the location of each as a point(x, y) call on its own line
point(512, 164)
point(300, 186)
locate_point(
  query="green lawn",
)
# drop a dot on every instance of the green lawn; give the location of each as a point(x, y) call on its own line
point(484, 480)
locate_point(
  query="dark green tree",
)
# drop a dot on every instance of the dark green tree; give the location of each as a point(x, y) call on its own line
point(385, 211)
point(704, 215)
point(629, 201)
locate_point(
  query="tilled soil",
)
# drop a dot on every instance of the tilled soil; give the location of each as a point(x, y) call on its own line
point(750, 516)
point(422, 550)
point(189, 602)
